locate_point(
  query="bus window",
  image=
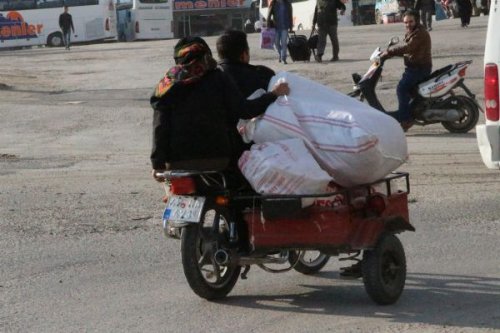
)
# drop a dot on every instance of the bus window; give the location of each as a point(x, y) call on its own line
point(74, 3)
point(49, 3)
point(18, 4)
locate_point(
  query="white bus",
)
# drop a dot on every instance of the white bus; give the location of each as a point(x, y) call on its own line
point(303, 13)
point(145, 19)
point(36, 22)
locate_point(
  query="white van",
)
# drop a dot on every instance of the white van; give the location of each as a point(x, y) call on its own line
point(488, 135)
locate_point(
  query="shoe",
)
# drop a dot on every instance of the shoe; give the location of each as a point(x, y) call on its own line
point(430, 29)
point(406, 125)
point(352, 272)
point(334, 59)
point(284, 61)
point(318, 58)
point(279, 60)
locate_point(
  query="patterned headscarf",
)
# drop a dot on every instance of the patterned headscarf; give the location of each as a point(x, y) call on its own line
point(193, 59)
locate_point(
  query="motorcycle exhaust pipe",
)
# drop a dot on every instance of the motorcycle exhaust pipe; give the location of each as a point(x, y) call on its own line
point(221, 257)
point(441, 115)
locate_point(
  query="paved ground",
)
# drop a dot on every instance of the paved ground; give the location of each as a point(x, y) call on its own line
point(80, 236)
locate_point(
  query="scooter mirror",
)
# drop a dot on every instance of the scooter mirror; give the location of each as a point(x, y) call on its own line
point(375, 57)
point(394, 41)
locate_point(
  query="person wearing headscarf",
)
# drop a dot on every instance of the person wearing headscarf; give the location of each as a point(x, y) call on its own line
point(196, 109)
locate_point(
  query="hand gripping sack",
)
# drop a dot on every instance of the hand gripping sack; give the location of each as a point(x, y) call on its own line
point(353, 142)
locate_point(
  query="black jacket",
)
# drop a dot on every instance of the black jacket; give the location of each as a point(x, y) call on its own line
point(325, 13)
point(272, 14)
point(247, 77)
point(198, 121)
point(66, 22)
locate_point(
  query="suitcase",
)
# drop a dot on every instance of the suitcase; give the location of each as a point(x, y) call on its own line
point(298, 47)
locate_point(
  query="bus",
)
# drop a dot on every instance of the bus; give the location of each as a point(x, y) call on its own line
point(145, 19)
point(303, 13)
point(36, 22)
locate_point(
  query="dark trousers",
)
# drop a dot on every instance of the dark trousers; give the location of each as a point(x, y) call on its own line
point(410, 78)
point(426, 16)
point(332, 32)
point(465, 18)
point(67, 38)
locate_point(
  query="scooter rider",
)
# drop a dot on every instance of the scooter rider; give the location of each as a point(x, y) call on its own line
point(418, 64)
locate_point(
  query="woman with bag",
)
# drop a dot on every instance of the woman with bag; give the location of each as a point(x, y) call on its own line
point(280, 17)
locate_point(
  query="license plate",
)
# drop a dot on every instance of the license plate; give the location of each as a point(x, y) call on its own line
point(184, 208)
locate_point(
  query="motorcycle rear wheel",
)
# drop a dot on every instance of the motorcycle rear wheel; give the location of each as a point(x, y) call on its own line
point(199, 243)
point(469, 121)
point(310, 262)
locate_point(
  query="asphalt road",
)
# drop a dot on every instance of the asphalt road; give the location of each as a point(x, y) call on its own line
point(81, 243)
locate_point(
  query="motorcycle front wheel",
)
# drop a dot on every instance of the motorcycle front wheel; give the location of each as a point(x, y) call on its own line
point(469, 119)
point(199, 243)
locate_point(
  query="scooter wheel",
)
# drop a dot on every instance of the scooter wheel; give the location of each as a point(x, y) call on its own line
point(468, 121)
point(384, 270)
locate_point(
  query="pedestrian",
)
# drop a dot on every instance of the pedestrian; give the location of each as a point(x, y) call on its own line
point(196, 109)
point(66, 25)
point(280, 17)
point(418, 64)
point(464, 11)
point(426, 9)
point(325, 16)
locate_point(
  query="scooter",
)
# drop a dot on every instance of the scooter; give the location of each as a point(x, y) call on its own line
point(434, 99)
point(224, 231)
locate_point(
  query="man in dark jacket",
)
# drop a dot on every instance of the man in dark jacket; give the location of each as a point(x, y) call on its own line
point(325, 16)
point(418, 64)
point(427, 9)
point(234, 55)
point(66, 25)
point(196, 109)
point(280, 17)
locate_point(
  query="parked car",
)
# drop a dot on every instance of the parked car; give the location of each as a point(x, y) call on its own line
point(488, 134)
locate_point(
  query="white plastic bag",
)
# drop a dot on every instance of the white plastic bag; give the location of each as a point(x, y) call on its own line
point(352, 141)
point(283, 167)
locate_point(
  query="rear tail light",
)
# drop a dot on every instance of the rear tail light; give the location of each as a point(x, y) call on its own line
point(461, 72)
point(137, 27)
point(107, 24)
point(376, 204)
point(491, 94)
point(183, 185)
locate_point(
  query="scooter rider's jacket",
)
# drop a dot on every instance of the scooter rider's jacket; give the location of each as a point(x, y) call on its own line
point(416, 50)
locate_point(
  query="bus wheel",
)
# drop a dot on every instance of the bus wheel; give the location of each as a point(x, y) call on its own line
point(55, 39)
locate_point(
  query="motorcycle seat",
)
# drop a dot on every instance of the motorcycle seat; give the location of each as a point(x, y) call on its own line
point(436, 73)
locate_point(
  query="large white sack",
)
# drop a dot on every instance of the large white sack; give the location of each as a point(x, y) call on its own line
point(352, 141)
point(283, 167)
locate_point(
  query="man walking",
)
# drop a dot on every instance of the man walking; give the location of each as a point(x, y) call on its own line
point(325, 15)
point(280, 17)
point(427, 9)
point(66, 25)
